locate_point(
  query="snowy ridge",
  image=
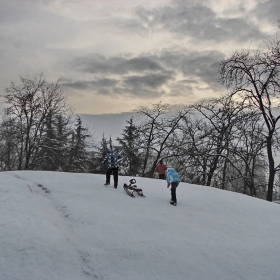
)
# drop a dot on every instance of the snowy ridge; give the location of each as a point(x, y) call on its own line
point(64, 226)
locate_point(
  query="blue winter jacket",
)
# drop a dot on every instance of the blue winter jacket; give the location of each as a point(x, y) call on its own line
point(172, 176)
point(112, 159)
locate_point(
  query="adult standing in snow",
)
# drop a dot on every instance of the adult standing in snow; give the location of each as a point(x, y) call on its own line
point(173, 179)
point(112, 160)
point(160, 169)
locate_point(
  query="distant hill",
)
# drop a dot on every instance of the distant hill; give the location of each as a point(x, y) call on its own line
point(109, 124)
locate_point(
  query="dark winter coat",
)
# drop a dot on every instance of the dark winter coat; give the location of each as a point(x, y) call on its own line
point(112, 159)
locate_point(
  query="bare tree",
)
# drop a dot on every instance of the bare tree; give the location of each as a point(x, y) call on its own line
point(157, 132)
point(194, 149)
point(220, 116)
point(222, 145)
point(29, 104)
point(244, 156)
point(151, 120)
point(255, 77)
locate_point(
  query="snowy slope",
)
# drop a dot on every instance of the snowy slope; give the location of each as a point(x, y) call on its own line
point(64, 226)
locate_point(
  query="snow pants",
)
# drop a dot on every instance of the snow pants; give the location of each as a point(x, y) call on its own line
point(174, 185)
point(115, 171)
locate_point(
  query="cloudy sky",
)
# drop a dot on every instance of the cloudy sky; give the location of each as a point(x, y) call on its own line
point(112, 56)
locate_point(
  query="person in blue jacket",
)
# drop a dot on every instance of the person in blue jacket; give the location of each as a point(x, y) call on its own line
point(173, 179)
point(112, 160)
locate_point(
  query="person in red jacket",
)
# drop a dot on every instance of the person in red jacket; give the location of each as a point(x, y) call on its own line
point(160, 169)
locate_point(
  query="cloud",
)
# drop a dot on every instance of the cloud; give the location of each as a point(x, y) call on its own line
point(268, 11)
point(194, 20)
point(202, 65)
point(141, 86)
point(154, 74)
point(142, 49)
point(96, 63)
point(95, 84)
point(147, 81)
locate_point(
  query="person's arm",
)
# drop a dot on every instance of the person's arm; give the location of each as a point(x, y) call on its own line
point(104, 160)
point(167, 180)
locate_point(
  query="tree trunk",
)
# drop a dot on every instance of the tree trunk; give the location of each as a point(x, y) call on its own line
point(271, 176)
point(212, 170)
point(224, 172)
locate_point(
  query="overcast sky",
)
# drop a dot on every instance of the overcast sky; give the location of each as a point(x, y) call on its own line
point(112, 56)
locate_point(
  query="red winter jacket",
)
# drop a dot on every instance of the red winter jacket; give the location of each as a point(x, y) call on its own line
point(161, 168)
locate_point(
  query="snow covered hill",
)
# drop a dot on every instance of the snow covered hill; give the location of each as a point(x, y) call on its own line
point(64, 226)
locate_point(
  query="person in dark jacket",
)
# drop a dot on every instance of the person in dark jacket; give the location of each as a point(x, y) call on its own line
point(173, 179)
point(112, 160)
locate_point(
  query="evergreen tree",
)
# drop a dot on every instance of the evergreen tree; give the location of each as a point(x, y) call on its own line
point(100, 155)
point(129, 148)
point(63, 133)
point(54, 144)
point(45, 159)
point(78, 154)
point(9, 143)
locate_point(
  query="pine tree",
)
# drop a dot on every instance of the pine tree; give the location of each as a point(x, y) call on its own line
point(78, 154)
point(63, 132)
point(129, 143)
point(102, 150)
point(9, 142)
point(54, 144)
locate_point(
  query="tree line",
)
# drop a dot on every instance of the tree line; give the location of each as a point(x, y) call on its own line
point(229, 142)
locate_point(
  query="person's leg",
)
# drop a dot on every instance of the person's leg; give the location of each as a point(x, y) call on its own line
point(161, 176)
point(115, 172)
point(108, 174)
point(173, 191)
point(173, 194)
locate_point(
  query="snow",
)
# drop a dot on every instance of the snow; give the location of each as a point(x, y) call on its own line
point(64, 226)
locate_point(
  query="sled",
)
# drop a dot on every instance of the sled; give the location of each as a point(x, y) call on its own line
point(131, 189)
